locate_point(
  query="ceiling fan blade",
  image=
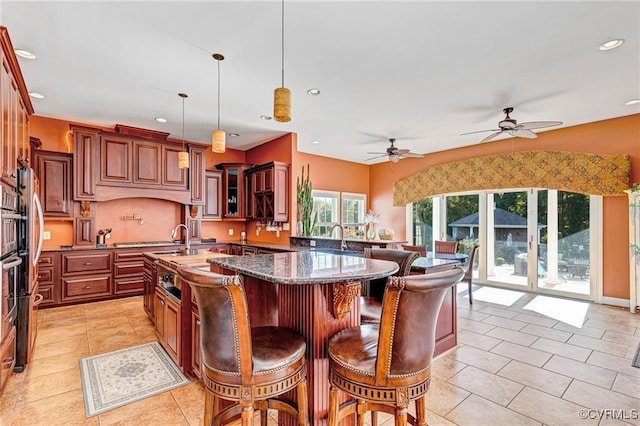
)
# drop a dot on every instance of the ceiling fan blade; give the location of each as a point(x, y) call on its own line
point(522, 133)
point(491, 136)
point(378, 156)
point(480, 131)
point(400, 151)
point(413, 155)
point(378, 153)
point(538, 124)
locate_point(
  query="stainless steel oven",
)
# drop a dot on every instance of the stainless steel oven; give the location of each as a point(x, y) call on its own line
point(9, 286)
point(8, 221)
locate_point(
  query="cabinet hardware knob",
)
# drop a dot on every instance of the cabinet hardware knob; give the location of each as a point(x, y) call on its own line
point(86, 287)
point(88, 263)
point(197, 322)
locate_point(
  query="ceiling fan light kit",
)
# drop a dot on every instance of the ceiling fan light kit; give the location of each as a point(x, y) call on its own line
point(218, 137)
point(282, 95)
point(394, 154)
point(510, 126)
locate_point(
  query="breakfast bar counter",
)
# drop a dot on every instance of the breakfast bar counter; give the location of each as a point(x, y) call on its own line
point(313, 293)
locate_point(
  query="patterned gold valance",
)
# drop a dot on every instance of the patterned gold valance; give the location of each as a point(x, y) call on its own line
point(567, 171)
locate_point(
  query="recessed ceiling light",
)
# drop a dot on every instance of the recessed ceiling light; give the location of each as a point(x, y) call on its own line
point(611, 44)
point(313, 92)
point(315, 142)
point(265, 117)
point(632, 102)
point(234, 135)
point(160, 120)
point(36, 95)
point(25, 54)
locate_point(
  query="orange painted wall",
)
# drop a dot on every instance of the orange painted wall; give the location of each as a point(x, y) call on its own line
point(615, 136)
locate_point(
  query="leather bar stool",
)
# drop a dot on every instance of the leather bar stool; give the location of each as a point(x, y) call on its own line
point(371, 303)
point(386, 366)
point(248, 366)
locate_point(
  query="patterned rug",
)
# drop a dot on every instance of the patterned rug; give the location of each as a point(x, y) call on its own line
point(119, 378)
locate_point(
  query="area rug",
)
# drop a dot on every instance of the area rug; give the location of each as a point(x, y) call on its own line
point(119, 378)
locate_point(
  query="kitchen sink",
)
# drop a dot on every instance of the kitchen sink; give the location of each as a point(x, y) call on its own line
point(182, 252)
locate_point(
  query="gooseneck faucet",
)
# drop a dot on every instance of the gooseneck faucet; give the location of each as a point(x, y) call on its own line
point(343, 243)
point(186, 230)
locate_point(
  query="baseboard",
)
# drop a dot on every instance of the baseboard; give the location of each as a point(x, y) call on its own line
point(614, 301)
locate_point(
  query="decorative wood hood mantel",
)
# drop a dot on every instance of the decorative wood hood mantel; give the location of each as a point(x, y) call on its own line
point(130, 162)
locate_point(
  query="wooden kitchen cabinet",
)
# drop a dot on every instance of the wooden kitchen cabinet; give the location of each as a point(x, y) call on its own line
point(47, 279)
point(85, 163)
point(147, 157)
point(268, 195)
point(54, 172)
point(15, 110)
point(128, 271)
point(234, 191)
point(172, 175)
point(85, 275)
point(115, 160)
point(196, 349)
point(167, 324)
point(197, 177)
point(149, 279)
point(213, 195)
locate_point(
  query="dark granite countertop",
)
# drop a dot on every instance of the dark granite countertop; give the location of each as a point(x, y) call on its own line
point(307, 267)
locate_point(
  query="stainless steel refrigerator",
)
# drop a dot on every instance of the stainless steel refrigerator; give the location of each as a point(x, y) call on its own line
point(30, 236)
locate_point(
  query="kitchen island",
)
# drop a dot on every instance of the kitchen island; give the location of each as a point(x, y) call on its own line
point(311, 292)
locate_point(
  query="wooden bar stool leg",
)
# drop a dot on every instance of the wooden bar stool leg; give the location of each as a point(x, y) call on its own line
point(361, 410)
point(374, 418)
point(401, 416)
point(421, 410)
point(333, 405)
point(303, 404)
point(209, 405)
point(262, 406)
point(247, 414)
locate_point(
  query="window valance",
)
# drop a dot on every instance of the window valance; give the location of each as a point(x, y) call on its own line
point(567, 171)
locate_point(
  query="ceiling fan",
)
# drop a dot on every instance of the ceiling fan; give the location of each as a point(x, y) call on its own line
point(394, 153)
point(511, 126)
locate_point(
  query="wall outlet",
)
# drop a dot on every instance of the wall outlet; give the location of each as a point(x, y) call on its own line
point(46, 235)
point(285, 226)
point(230, 231)
point(312, 243)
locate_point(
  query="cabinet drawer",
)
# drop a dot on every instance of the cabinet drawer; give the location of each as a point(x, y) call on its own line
point(128, 269)
point(82, 263)
point(48, 296)
point(86, 287)
point(46, 259)
point(121, 256)
point(45, 275)
point(134, 285)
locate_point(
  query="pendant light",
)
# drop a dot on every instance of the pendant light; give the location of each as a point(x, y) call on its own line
point(218, 136)
point(282, 95)
point(183, 156)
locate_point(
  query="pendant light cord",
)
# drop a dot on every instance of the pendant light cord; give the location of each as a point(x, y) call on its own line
point(183, 123)
point(218, 94)
point(282, 43)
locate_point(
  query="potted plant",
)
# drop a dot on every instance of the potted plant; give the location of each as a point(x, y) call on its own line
point(306, 216)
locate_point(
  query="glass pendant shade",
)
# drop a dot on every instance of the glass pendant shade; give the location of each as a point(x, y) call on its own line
point(218, 141)
point(183, 160)
point(282, 104)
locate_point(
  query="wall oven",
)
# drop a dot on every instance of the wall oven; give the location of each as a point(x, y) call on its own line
point(9, 259)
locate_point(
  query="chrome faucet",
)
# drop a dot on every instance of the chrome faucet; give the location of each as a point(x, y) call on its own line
point(343, 243)
point(187, 239)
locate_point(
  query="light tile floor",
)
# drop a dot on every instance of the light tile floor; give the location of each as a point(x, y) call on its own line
point(513, 366)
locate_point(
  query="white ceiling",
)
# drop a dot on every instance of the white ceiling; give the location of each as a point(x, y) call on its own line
point(421, 71)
